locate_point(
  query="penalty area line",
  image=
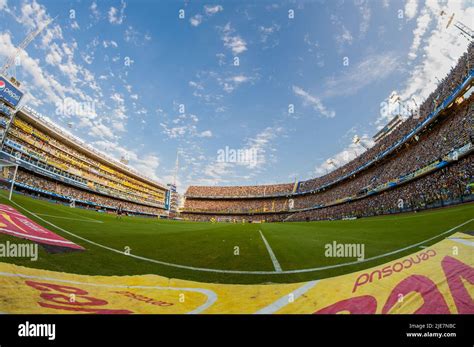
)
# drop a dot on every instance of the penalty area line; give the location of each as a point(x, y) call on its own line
point(274, 259)
point(90, 220)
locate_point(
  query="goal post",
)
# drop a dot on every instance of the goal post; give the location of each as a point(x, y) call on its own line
point(8, 174)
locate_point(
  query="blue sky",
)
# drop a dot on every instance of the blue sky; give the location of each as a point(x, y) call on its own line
point(144, 83)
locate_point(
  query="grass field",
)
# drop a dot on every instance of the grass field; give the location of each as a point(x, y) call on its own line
point(201, 246)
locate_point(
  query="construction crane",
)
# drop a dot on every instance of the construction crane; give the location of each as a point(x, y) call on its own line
point(30, 37)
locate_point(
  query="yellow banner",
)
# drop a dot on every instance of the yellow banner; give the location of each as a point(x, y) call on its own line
point(437, 279)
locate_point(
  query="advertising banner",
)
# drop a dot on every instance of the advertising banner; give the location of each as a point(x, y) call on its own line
point(438, 279)
point(9, 94)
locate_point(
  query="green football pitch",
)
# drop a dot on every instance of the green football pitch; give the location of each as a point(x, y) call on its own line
point(229, 253)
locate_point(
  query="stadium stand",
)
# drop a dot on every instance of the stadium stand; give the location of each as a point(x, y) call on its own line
point(426, 161)
point(56, 165)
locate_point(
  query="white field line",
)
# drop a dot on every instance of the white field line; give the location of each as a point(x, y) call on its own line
point(239, 271)
point(285, 300)
point(89, 220)
point(274, 259)
point(211, 296)
point(69, 211)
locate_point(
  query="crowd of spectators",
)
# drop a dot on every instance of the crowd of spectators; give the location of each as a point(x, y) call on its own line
point(241, 191)
point(449, 132)
point(75, 194)
point(453, 183)
point(448, 184)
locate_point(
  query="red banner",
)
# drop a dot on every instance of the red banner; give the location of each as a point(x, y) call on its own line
point(16, 224)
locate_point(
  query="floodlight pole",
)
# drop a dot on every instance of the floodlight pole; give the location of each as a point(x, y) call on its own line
point(13, 183)
point(466, 31)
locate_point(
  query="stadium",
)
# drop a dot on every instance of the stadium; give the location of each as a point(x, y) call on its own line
point(396, 220)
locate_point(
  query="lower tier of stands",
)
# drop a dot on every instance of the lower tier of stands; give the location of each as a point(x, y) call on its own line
point(452, 183)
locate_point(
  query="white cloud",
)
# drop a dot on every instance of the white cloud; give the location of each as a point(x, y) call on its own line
point(196, 20)
point(229, 84)
point(411, 8)
point(366, 14)
point(184, 126)
point(3, 5)
point(206, 133)
point(196, 85)
point(111, 43)
point(268, 32)
point(346, 155)
point(146, 164)
point(344, 36)
point(101, 131)
point(75, 25)
point(314, 101)
point(233, 42)
point(95, 12)
point(206, 80)
point(119, 114)
point(117, 16)
point(370, 70)
point(33, 15)
point(209, 11)
point(132, 35)
point(212, 10)
point(218, 172)
point(52, 90)
point(262, 144)
point(314, 50)
point(422, 23)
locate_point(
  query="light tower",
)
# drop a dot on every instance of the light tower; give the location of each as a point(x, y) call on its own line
point(466, 31)
point(357, 141)
point(332, 163)
point(176, 168)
